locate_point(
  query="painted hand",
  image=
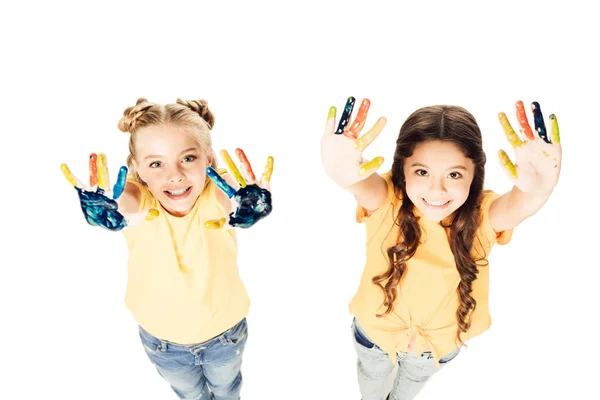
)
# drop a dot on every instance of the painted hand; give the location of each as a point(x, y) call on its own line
point(538, 159)
point(341, 150)
point(253, 199)
point(98, 202)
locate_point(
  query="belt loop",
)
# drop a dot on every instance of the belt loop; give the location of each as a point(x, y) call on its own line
point(163, 346)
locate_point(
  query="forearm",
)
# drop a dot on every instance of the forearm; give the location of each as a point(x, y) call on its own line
point(514, 207)
point(371, 192)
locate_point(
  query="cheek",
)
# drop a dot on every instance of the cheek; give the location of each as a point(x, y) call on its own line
point(460, 191)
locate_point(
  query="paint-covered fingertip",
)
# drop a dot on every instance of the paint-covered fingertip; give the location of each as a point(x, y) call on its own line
point(215, 224)
point(332, 112)
point(153, 213)
point(535, 105)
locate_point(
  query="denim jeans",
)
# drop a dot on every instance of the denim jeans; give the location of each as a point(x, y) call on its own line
point(209, 370)
point(379, 377)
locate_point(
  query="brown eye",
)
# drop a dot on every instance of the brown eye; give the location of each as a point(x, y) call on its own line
point(455, 175)
point(421, 172)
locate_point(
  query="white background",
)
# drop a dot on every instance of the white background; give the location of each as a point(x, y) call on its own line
point(270, 73)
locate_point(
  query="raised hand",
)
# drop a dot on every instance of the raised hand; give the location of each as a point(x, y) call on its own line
point(538, 158)
point(98, 201)
point(253, 199)
point(341, 149)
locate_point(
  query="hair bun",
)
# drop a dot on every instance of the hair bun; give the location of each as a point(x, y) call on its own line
point(200, 107)
point(132, 114)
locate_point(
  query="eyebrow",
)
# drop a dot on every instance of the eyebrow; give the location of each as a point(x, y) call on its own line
point(184, 151)
point(453, 167)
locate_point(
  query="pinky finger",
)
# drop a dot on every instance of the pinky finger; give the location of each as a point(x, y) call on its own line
point(70, 177)
point(507, 164)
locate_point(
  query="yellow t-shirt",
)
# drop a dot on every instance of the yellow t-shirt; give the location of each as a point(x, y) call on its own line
point(183, 282)
point(427, 297)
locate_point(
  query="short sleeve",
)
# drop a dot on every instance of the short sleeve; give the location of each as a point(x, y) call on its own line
point(362, 213)
point(491, 236)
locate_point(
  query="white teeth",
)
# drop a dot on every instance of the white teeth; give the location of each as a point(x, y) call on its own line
point(436, 203)
point(177, 192)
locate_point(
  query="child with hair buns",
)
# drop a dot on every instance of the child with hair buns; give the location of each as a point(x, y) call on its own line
point(184, 288)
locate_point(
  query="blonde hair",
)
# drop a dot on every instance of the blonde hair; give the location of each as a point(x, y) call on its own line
point(192, 115)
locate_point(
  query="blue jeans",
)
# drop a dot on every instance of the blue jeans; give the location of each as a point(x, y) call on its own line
point(379, 378)
point(209, 370)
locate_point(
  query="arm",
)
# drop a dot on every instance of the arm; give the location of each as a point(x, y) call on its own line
point(513, 207)
point(535, 172)
point(370, 193)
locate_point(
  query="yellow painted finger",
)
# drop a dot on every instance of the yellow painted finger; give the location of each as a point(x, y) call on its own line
point(371, 166)
point(102, 172)
point(67, 173)
point(152, 214)
point(233, 168)
point(215, 224)
point(365, 140)
point(266, 176)
point(511, 136)
point(555, 130)
point(507, 163)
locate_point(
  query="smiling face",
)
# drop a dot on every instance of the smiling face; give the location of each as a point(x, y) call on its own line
point(438, 178)
point(173, 166)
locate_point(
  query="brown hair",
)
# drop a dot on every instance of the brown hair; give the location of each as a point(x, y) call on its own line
point(193, 115)
point(456, 125)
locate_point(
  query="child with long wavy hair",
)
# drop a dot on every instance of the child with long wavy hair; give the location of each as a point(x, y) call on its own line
point(183, 289)
point(430, 228)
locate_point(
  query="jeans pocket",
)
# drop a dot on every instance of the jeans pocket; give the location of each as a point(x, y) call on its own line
point(237, 333)
point(361, 338)
point(151, 344)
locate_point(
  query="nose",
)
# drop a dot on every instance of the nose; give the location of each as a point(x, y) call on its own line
point(176, 174)
point(437, 186)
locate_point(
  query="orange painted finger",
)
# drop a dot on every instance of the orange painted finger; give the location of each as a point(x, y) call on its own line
point(245, 164)
point(526, 131)
point(359, 121)
point(93, 170)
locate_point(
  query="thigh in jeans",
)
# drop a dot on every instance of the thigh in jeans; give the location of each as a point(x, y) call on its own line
point(375, 369)
point(177, 366)
point(414, 372)
point(222, 361)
